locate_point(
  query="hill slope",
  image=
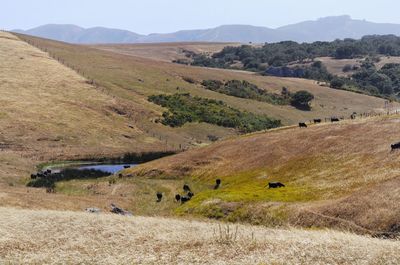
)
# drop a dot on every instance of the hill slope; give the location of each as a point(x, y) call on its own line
point(323, 29)
point(48, 111)
point(109, 239)
point(135, 78)
point(328, 170)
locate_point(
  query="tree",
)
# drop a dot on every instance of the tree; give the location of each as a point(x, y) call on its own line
point(301, 99)
point(337, 83)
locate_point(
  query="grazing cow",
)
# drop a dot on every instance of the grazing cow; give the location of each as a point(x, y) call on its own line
point(317, 120)
point(185, 199)
point(334, 119)
point(190, 194)
point(217, 184)
point(127, 166)
point(395, 146)
point(186, 188)
point(33, 176)
point(159, 196)
point(177, 197)
point(274, 185)
point(302, 125)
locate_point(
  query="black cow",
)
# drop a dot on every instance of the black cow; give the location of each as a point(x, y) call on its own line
point(274, 185)
point(127, 166)
point(190, 194)
point(334, 119)
point(395, 146)
point(185, 199)
point(217, 184)
point(159, 196)
point(33, 176)
point(302, 125)
point(177, 197)
point(186, 188)
point(317, 120)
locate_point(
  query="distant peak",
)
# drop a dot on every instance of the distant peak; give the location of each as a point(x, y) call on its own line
point(335, 18)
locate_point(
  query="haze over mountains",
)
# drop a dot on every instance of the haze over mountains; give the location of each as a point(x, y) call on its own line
point(323, 29)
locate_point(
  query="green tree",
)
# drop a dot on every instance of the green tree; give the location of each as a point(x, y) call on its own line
point(301, 99)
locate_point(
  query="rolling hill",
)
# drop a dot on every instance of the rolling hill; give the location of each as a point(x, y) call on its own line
point(336, 175)
point(49, 112)
point(58, 115)
point(323, 29)
point(124, 82)
point(64, 101)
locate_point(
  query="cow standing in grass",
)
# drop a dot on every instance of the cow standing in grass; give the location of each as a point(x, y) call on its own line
point(302, 125)
point(395, 146)
point(274, 185)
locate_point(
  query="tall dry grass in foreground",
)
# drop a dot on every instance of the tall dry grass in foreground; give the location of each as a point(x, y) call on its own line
point(50, 237)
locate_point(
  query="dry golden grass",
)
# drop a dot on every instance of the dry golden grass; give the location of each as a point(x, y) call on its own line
point(320, 165)
point(49, 111)
point(50, 237)
point(135, 78)
point(166, 52)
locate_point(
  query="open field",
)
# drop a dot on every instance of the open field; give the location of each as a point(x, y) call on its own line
point(166, 52)
point(81, 238)
point(328, 170)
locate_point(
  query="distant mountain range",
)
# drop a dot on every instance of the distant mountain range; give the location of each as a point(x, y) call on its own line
point(323, 29)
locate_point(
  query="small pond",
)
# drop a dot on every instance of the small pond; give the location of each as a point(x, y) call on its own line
point(106, 168)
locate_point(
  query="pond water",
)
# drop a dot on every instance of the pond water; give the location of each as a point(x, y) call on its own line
point(107, 168)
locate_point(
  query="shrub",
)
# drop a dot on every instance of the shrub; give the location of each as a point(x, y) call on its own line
point(301, 99)
point(183, 108)
point(337, 83)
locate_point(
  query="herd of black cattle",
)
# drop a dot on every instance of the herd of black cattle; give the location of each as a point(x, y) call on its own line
point(189, 194)
point(304, 125)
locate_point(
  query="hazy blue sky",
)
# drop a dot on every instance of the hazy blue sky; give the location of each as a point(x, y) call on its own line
point(147, 16)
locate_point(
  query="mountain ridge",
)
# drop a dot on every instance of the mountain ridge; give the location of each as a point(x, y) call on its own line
point(323, 29)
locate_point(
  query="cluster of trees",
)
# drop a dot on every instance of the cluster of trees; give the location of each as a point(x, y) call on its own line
point(281, 54)
point(315, 71)
point(384, 82)
point(184, 108)
point(244, 89)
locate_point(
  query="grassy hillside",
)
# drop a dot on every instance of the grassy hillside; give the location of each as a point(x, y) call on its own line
point(49, 112)
point(328, 170)
point(108, 239)
point(135, 78)
point(166, 52)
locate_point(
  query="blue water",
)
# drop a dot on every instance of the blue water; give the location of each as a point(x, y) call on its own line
point(108, 168)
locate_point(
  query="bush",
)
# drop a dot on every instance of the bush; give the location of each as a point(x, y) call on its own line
point(337, 83)
point(244, 89)
point(301, 99)
point(347, 68)
point(183, 108)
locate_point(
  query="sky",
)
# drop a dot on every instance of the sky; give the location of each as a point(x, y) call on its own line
point(162, 16)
